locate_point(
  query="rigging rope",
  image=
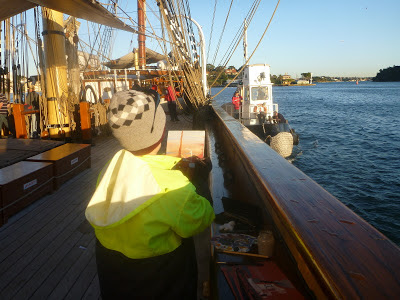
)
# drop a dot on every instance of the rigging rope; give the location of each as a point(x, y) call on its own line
point(258, 44)
point(222, 33)
point(212, 28)
point(237, 40)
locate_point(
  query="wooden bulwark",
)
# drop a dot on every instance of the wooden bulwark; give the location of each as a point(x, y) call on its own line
point(338, 253)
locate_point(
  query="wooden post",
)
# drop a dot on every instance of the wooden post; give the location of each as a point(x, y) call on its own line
point(56, 73)
point(86, 125)
point(19, 121)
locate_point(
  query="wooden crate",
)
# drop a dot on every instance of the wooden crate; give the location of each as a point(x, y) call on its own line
point(21, 184)
point(68, 160)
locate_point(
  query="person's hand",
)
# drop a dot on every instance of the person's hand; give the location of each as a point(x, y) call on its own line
point(194, 167)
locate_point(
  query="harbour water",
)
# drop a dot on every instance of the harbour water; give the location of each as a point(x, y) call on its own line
point(349, 144)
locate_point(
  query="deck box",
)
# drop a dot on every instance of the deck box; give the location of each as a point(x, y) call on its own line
point(68, 160)
point(21, 184)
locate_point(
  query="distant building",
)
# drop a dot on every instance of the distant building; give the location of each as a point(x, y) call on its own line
point(233, 82)
point(286, 79)
point(303, 81)
point(231, 71)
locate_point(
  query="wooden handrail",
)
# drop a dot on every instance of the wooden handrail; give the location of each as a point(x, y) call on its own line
point(339, 254)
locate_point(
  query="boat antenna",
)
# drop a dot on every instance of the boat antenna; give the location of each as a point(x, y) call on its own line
point(245, 40)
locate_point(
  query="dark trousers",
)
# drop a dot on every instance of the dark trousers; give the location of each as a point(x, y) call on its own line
point(169, 276)
point(3, 121)
point(261, 118)
point(172, 110)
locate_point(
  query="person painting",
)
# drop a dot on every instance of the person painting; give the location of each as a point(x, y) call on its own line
point(278, 118)
point(261, 111)
point(144, 210)
point(170, 97)
point(237, 102)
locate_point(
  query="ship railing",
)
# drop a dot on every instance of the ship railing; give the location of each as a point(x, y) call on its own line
point(339, 255)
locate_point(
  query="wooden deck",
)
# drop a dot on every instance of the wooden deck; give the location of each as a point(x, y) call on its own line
point(15, 150)
point(47, 250)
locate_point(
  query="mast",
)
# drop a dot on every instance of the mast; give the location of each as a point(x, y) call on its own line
point(71, 47)
point(56, 73)
point(7, 59)
point(141, 37)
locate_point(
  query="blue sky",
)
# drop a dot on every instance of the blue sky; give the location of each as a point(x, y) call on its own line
point(334, 38)
point(338, 38)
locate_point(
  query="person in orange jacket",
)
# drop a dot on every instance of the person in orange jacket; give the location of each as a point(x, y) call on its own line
point(170, 97)
point(237, 101)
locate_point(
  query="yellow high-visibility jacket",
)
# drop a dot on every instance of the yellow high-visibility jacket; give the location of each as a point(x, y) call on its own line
point(142, 208)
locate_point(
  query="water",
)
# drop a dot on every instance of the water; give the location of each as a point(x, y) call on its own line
point(349, 144)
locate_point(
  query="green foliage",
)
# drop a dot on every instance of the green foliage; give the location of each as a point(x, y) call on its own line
point(388, 74)
point(276, 79)
point(210, 67)
point(322, 79)
point(214, 73)
point(306, 75)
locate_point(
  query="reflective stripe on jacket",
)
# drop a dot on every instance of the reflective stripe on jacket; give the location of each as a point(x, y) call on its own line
point(142, 208)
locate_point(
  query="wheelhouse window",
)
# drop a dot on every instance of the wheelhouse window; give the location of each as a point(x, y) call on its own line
point(259, 93)
point(246, 94)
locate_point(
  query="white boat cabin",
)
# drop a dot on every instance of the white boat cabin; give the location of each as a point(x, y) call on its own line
point(257, 93)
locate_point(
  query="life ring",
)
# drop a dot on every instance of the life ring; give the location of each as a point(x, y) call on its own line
point(84, 95)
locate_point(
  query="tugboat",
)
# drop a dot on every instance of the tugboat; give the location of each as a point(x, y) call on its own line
point(259, 113)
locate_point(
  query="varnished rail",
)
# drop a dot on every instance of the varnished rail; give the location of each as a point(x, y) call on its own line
point(338, 253)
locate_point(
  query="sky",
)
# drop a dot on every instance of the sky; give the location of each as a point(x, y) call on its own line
point(327, 38)
point(334, 38)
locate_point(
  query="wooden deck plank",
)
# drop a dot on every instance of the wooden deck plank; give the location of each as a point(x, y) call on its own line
point(93, 291)
point(39, 247)
point(84, 280)
point(61, 267)
point(35, 226)
point(69, 279)
point(37, 271)
point(32, 230)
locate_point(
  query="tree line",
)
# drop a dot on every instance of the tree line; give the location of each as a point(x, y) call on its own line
point(388, 74)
